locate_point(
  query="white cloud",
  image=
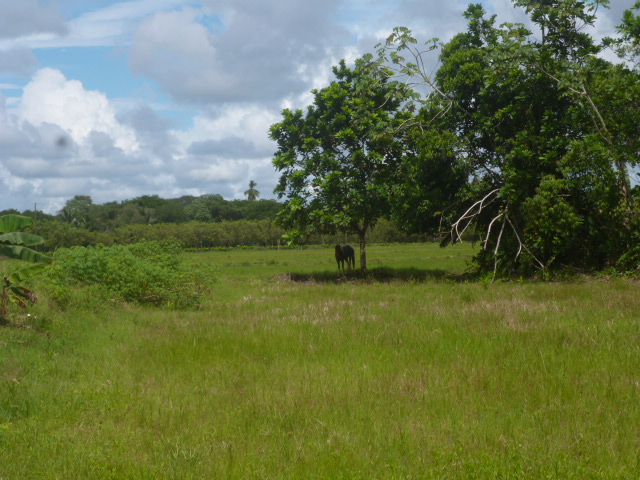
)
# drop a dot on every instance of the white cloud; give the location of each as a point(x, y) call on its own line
point(231, 64)
point(226, 148)
point(17, 60)
point(63, 140)
point(19, 21)
point(29, 23)
point(51, 98)
point(250, 122)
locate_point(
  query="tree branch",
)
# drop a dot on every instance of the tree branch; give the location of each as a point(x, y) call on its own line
point(456, 233)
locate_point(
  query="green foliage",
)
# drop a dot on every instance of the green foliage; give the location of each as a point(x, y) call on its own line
point(544, 131)
point(337, 157)
point(77, 210)
point(524, 136)
point(551, 221)
point(16, 245)
point(629, 262)
point(628, 44)
point(144, 273)
point(80, 212)
point(427, 182)
point(191, 234)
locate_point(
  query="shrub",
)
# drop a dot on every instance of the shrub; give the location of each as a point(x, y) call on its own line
point(629, 262)
point(144, 273)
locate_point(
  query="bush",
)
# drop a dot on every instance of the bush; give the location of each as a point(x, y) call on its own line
point(143, 273)
point(629, 262)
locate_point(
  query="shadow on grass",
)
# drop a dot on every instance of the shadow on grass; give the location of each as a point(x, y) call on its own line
point(377, 275)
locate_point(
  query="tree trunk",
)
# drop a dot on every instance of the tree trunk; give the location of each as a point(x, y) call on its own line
point(363, 251)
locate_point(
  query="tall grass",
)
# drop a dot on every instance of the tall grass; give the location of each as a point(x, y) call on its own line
point(292, 371)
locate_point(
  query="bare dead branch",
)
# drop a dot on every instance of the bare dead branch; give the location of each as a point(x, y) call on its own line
point(461, 225)
point(522, 245)
point(495, 252)
point(467, 217)
point(486, 240)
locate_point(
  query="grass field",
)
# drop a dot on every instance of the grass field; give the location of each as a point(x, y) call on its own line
point(290, 371)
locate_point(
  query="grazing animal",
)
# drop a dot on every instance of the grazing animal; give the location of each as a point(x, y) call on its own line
point(345, 253)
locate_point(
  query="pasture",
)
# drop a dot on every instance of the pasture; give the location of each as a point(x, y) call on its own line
point(292, 371)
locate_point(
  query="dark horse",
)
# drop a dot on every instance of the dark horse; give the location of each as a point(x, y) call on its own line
point(345, 252)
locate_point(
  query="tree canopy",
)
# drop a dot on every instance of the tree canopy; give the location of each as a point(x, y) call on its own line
point(548, 130)
point(527, 136)
point(337, 156)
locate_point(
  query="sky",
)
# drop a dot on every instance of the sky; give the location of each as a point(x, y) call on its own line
point(119, 99)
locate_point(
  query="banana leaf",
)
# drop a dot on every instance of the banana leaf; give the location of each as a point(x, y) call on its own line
point(23, 253)
point(26, 273)
point(11, 223)
point(21, 238)
point(21, 295)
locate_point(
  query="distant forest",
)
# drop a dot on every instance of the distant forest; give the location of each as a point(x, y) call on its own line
point(80, 211)
point(204, 222)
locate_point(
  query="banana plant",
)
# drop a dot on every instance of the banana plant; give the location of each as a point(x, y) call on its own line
point(16, 244)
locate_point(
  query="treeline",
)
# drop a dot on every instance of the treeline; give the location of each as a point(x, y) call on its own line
point(200, 235)
point(204, 222)
point(81, 212)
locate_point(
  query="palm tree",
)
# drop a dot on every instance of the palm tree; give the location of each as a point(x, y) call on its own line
point(252, 194)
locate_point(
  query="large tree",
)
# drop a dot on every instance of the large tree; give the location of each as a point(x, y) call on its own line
point(547, 131)
point(337, 157)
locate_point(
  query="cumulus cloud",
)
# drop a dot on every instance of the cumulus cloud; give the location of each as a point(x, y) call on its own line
point(249, 121)
point(51, 98)
point(230, 147)
point(225, 148)
point(64, 138)
point(112, 24)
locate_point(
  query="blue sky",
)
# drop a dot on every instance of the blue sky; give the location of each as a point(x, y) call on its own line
point(175, 97)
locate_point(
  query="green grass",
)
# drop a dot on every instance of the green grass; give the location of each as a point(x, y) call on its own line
point(291, 371)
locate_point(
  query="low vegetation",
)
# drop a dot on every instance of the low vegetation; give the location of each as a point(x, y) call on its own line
point(17, 245)
point(201, 235)
point(290, 370)
point(143, 273)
